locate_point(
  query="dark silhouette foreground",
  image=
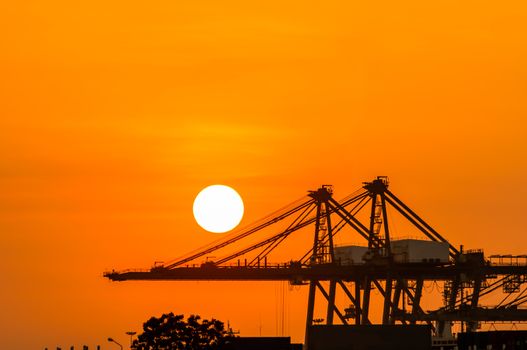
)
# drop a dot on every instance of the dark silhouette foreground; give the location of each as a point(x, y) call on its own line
point(173, 332)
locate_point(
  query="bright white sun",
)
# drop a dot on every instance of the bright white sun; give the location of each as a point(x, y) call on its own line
point(218, 208)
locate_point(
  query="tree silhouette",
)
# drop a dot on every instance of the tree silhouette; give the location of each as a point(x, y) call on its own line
point(172, 332)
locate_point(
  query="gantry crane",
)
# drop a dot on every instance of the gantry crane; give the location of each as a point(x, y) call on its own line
point(466, 276)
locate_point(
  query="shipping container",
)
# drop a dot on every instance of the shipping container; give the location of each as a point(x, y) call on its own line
point(419, 251)
point(350, 254)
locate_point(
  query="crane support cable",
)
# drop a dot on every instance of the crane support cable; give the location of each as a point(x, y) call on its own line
point(344, 202)
point(517, 302)
point(284, 234)
point(339, 226)
point(484, 291)
point(518, 298)
point(417, 223)
point(243, 234)
point(412, 219)
point(267, 241)
point(279, 240)
point(237, 232)
point(431, 232)
point(350, 219)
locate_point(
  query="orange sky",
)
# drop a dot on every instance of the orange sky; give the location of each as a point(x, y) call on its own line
point(115, 114)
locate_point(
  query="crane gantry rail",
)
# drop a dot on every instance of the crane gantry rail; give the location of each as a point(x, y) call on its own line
point(467, 276)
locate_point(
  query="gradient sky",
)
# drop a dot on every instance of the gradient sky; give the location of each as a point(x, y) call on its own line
point(115, 114)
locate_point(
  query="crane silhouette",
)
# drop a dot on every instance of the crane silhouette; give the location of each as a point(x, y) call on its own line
point(465, 276)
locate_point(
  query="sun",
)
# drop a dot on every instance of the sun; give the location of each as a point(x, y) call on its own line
point(218, 208)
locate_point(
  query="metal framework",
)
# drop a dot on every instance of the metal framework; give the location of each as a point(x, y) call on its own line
point(466, 277)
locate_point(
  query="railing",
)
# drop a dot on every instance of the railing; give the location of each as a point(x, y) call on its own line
point(107, 272)
point(508, 260)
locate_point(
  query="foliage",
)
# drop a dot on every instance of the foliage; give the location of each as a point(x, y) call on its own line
point(172, 332)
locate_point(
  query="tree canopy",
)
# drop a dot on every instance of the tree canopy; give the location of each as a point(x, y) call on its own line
point(173, 332)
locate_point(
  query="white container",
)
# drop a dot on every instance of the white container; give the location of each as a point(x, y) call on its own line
point(419, 251)
point(350, 254)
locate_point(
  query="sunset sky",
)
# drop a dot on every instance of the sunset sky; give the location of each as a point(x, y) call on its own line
point(115, 114)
